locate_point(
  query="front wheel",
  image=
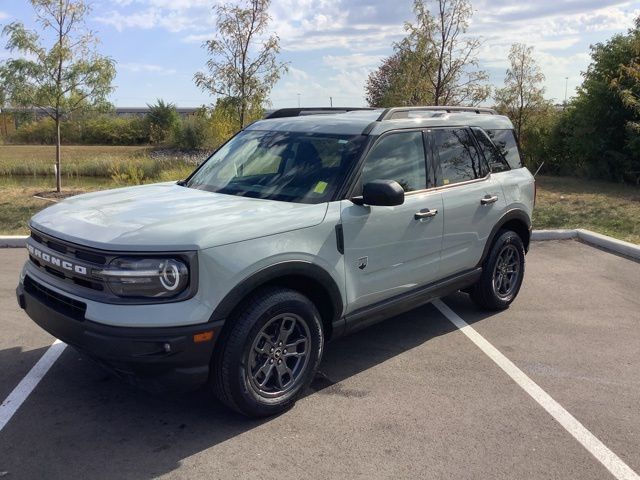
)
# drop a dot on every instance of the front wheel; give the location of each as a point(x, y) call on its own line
point(502, 273)
point(270, 355)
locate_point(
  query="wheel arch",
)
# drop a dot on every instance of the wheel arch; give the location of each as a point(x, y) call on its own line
point(515, 220)
point(305, 277)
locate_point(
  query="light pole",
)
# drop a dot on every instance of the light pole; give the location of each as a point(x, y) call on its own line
point(566, 85)
point(331, 102)
point(298, 100)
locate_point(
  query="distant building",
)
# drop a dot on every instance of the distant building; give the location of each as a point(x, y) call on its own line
point(118, 111)
point(142, 111)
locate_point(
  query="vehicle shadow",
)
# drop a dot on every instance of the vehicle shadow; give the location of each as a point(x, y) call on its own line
point(83, 423)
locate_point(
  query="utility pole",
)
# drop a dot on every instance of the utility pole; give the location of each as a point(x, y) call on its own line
point(298, 100)
point(331, 102)
point(566, 85)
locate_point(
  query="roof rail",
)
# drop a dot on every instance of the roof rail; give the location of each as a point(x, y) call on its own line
point(299, 112)
point(403, 112)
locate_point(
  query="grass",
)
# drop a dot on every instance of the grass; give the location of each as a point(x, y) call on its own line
point(607, 208)
point(27, 170)
point(88, 161)
point(17, 205)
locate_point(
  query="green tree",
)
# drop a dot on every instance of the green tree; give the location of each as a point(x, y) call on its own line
point(243, 67)
point(436, 63)
point(61, 77)
point(398, 81)
point(162, 119)
point(599, 137)
point(523, 94)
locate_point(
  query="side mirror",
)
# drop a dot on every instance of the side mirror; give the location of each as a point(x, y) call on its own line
point(385, 193)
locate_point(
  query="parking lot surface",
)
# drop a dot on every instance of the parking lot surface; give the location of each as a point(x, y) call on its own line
point(411, 397)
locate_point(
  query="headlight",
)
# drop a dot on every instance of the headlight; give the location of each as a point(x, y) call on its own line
point(146, 277)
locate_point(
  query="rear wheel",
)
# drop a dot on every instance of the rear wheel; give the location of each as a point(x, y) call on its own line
point(270, 355)
point(502, 273)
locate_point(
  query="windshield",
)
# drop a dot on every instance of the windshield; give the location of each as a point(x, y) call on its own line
point(289, 166)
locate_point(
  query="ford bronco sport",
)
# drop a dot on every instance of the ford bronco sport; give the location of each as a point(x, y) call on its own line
point(303, 227)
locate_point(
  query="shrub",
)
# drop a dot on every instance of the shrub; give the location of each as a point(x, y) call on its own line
point(127, 173)
point(42, 132)
point(192, 133)
point(94, 130)
point(161, 120)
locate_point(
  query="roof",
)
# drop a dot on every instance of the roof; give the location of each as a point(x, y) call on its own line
point(369, 122)
point(348, 123)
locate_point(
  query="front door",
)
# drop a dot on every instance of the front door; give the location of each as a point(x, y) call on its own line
point(392, 250)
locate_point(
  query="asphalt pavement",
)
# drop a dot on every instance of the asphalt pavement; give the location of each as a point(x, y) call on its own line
point(411, 397)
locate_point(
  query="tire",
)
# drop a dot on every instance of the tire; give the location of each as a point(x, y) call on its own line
point(502, 273)
point(252, 371)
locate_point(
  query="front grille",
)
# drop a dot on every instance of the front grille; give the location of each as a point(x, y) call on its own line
point(92, 260)
point(54, 300)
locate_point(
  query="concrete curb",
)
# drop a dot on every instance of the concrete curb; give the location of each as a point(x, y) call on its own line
point(13, 241)
point(541, 235)
point(591, 238)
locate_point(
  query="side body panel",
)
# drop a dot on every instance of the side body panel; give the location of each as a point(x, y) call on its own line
point(228, 266)
point(388, 251)
point(468, 223)
point(518, 187)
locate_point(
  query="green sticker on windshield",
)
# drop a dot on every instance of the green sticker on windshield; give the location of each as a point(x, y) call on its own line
point(320, 187)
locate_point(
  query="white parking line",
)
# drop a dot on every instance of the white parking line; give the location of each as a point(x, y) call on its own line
point(28, 383)
point(589, 441)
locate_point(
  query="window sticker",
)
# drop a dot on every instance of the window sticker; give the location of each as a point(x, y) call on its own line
point(320, 187)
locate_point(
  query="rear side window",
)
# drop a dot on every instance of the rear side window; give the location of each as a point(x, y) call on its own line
point(506, 142)
point(497, 162)
point(457, 157)
point(399, 157)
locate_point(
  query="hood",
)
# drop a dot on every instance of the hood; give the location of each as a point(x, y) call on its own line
point(167, 216)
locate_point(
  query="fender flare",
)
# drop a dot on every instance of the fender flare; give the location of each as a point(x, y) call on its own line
point(283, 270)
point(515, 214)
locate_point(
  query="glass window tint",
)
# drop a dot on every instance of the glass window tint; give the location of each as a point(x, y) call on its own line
point(494, 157)
point(506, 142)
point(458, 157)
point(399, 157)
point(286, 166)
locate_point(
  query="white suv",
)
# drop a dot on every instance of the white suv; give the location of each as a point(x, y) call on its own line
point(305, 226)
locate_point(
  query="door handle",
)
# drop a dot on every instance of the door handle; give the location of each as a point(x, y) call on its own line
point(488, 199)
point(425, 213)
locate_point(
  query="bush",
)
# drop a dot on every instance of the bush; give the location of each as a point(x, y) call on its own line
point(42, 132)
point(192, 133)
point(110, 130)
point(161, 120)
point(95, 130)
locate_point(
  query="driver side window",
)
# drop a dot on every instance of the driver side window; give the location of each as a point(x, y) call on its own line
point(399, 157)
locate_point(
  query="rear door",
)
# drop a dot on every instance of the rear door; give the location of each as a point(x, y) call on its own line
point(473, 200)
point(392, 250)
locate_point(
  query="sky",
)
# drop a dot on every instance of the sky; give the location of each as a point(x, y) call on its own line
point(331, 45)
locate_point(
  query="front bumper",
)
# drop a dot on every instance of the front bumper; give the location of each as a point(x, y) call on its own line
point(153, 358)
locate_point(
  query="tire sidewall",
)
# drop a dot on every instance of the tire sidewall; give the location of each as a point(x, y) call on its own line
point(506, 238)
point(243, 393)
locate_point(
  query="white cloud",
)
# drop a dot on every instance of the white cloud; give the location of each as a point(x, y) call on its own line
point(3, 15)
point(346, 39)
point(146, 68)
point(356, 60)
point(175, 16)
